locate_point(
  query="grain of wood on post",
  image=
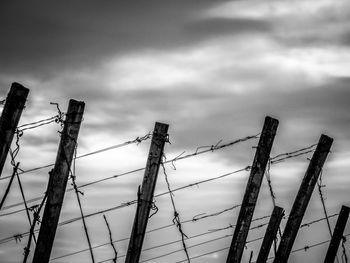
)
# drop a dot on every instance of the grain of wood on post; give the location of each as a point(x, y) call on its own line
point(270, 234)
point(10, 116)
point(59, 180)
point(160, 136)
point(302, 199)
point(337, 234)
point(262, 156)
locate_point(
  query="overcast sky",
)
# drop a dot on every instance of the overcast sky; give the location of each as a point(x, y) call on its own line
point(212, 70)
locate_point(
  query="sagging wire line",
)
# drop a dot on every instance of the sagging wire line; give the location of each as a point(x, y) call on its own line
point(219, 250)
point(137, 141)
point(32, 125)
point(111, 240)
point(247, 168)
point(134, 201)
point(157, 229)
point(191, 237)
point(211, 231)
point(192, 246)
point(172, 161)
point(284, 156)
point(306, 248)
point(251, 228)
point(317, 220)
point(176, 219)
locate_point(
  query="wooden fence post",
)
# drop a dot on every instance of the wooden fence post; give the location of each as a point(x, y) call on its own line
point(10, 116)
point(261, 158)
point(302, 199)
point(145, 196)
point(59, 180)
point(270, 234)
point(337, 234)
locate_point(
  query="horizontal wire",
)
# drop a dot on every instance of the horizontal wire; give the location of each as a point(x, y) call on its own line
point(226, 248)
point(217, 147)
point(180, 240)
point(160, 228)
point(222, 249)
point(187, 221)
point(137, 141)
point(307, 247)
point(134, 201)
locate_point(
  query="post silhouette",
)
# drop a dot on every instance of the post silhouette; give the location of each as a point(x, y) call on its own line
point(145, 194)
point(262, 156)
point(10, 116)
point(58, 181)
point(337, 234)
point(302, 199)
point(270, 234)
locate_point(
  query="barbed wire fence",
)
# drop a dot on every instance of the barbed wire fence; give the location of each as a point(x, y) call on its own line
point(35, 209)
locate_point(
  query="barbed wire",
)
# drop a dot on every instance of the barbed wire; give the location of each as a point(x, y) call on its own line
point(247, 168)
point(210, 231)
point(172, 161)
point(317, 220)
point(307, 247)
point(150, 231)
point(189, 247)
point(137, 141)
point(191, 237)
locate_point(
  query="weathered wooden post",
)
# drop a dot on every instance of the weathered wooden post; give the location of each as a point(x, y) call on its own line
point(59, 180)
point(145, 195)
point(270, 234)
point(262, 156)
point(302, 199)
point(10, 116)
point(337, 234)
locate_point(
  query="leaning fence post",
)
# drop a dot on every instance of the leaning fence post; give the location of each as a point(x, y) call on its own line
point(262, 156)
point(337, 234)
point(270, 234)
point(145, 196)
point(302, 199)
point(59, 180)
point(10, 116)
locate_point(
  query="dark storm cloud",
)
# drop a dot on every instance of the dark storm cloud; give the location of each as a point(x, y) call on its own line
point(210, 27)
point(198, 117)
point(39, 36)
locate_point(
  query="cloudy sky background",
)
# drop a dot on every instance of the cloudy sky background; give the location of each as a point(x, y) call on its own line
point(212, 70)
